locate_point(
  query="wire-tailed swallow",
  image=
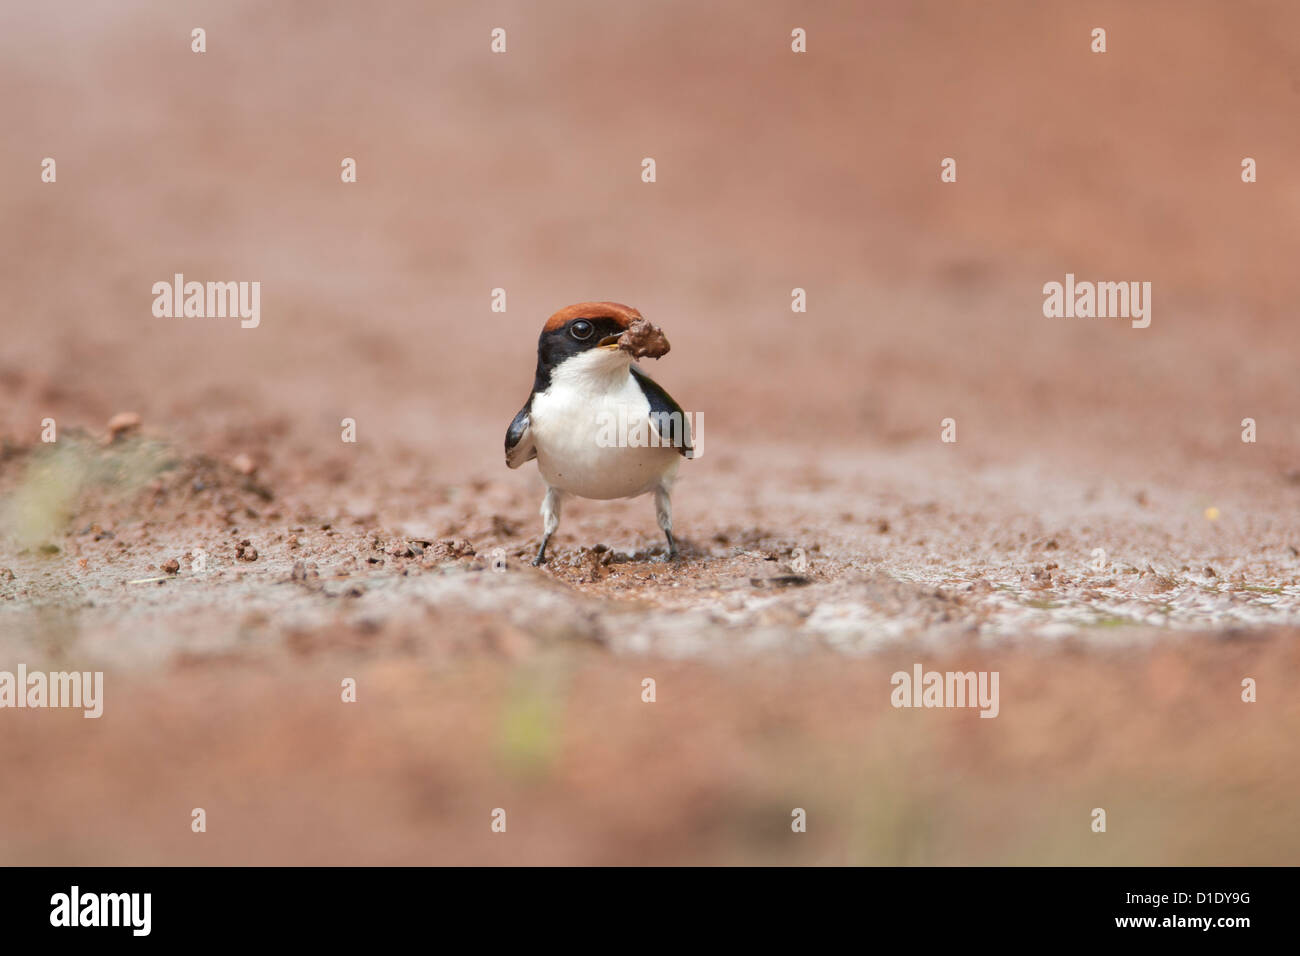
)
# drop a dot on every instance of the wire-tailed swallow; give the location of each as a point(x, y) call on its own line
point(598, 426)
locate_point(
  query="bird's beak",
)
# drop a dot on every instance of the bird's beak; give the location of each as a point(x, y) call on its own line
point(610, 342)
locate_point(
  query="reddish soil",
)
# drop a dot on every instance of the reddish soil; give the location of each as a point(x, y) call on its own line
point(830, 538)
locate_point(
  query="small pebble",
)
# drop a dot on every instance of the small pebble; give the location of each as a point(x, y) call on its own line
point(122, 423)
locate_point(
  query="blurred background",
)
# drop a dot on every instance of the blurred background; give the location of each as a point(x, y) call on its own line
point(775, 170)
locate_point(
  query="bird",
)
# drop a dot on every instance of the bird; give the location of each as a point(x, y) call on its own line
point(589, 406)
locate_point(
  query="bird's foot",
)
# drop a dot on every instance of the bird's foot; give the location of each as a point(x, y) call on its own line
point(541, 552)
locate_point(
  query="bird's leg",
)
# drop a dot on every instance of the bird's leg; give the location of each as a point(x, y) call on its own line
point(664, 512)
point(550, 521)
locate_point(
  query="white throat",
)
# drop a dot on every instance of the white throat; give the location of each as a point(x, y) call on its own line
point(595, 372)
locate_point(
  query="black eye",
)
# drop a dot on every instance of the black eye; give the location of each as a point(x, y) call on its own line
point(581, 329)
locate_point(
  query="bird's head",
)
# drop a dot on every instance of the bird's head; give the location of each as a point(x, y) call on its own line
point(591, 332)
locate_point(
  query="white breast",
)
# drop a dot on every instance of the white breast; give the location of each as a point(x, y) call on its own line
point(592, 399)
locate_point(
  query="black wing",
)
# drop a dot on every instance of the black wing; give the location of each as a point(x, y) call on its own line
point(519, 440)
point(666, 416)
